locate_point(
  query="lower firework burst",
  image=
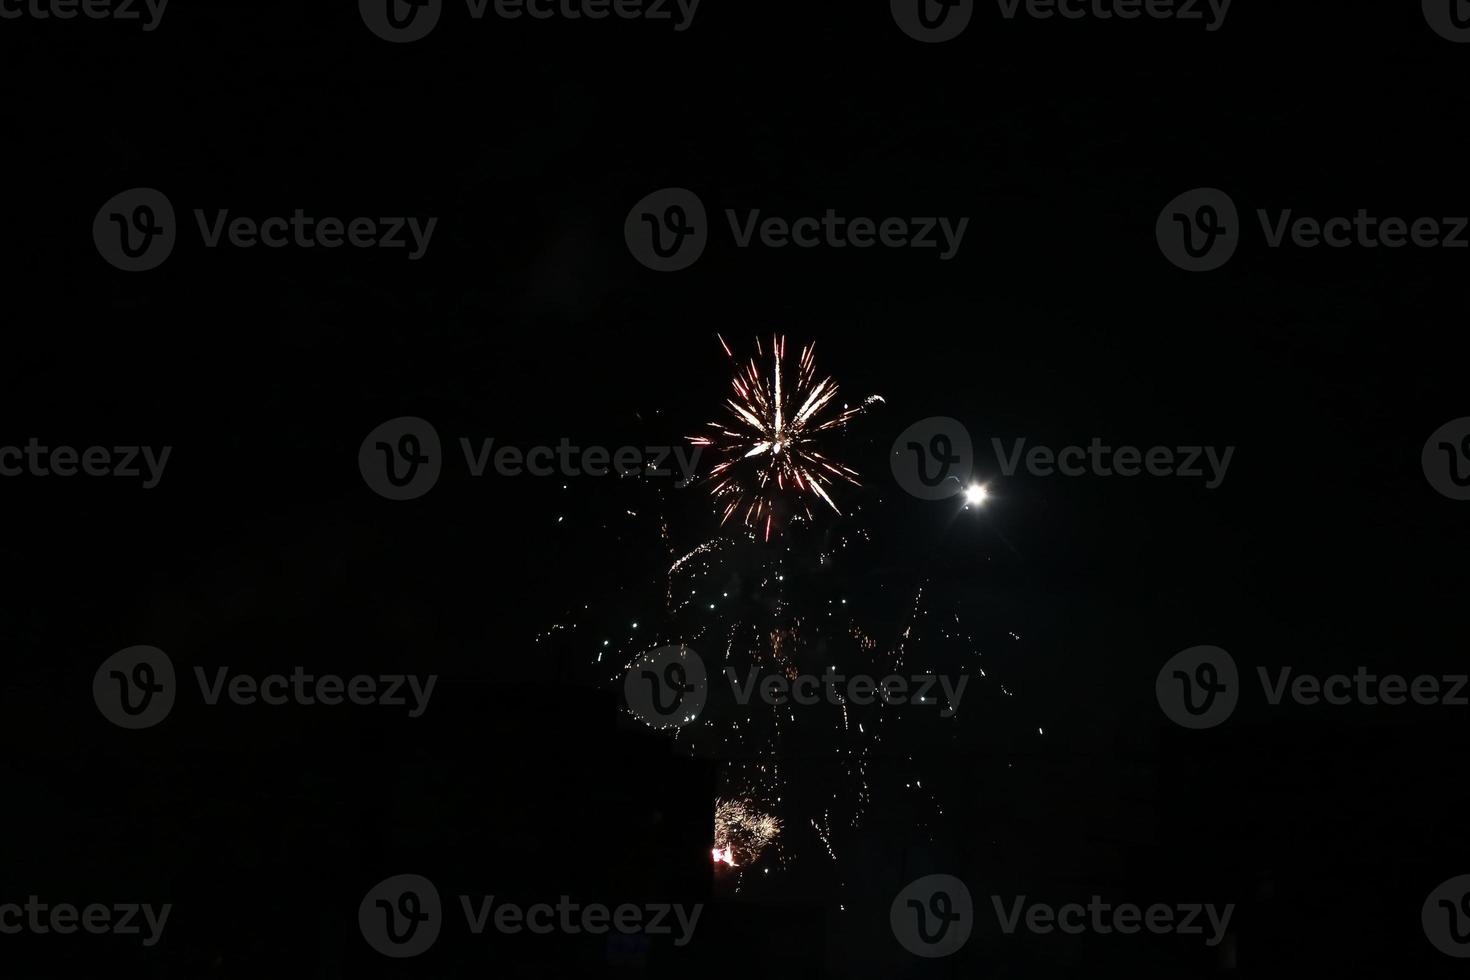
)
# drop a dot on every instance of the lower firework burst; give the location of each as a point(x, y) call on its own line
point(741, 832)
point(771, 450)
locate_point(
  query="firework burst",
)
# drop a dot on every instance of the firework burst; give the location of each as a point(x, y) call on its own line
point(771, 449)
point(797, 781)
point(741, 833)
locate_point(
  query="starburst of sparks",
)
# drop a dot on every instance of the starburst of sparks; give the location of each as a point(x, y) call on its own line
point(741, 832)
point(771, 448)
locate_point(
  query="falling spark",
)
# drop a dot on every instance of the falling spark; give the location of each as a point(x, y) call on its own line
point(772, 448)
point(824, 833)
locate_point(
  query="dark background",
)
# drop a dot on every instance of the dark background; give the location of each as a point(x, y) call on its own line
point(528, 320)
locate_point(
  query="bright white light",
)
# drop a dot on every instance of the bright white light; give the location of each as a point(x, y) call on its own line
point(976, 494)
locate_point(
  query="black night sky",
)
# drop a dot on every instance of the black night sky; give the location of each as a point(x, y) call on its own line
point(528, 320)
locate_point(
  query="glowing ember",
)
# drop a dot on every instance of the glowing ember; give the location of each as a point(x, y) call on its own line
point(770, 450)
